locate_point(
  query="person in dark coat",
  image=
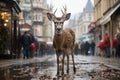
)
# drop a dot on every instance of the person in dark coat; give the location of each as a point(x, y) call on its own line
point(87, 46)
point(118, 44)
point(82, 48)
point(26, 42)
point(37, 47)
point(32, 51)
point(114, 46)
point(92, 48)
point(76, 48)
point(42, 48)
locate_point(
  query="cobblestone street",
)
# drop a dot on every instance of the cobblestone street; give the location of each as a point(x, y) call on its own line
point(44, 68)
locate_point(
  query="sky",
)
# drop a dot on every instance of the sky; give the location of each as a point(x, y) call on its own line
point(73, 6)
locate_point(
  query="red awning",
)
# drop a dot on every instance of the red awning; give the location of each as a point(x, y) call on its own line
point(91, 26)
point(26, 26)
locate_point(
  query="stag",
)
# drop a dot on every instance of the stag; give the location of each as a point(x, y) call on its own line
point(64, 39)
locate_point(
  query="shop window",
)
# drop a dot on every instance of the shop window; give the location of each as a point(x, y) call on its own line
point(4, 32)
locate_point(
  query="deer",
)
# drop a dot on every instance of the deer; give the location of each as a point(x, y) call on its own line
point(63, 40)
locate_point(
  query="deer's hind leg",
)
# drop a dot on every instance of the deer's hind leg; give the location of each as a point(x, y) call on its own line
point(74, 69)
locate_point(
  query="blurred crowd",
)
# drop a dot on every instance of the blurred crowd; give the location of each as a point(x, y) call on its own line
point(31, 47)
point(85, 48)
point(105, 47)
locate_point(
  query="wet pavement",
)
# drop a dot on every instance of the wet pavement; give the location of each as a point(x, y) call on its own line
point(44, 68)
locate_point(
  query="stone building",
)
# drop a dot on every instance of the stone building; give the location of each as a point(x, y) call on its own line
point(82, 20)
point(107, 18)
point(34, 15)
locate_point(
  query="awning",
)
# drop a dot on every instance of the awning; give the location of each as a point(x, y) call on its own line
point(107, 17)
point(91, 26)
point(26, 26)
point(14, 4)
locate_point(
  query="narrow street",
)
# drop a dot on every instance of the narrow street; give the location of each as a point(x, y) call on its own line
point(31, 31)
point(44, 68)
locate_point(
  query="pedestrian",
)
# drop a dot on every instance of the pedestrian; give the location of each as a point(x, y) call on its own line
point(115, 45)
point(87, 47)
point(26, 42)
point(37, 47)
point(76, 48)
point(92, 48)
point(82, 48)
point(118, 44)
point(79, 48)
point(101, 46)
point(33, 45)
point(42, 48)
point(107, 44)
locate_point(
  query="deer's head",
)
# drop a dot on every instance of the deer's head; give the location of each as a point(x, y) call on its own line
point(58, 21)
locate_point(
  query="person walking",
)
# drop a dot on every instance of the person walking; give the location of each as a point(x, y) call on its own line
point(107, 44)
point(76, 48)
point(118, 44)
point(92, 48)
point(115, 45)
point(32, 44)
point(26, 42)
point(82, 48)
point(87, 47)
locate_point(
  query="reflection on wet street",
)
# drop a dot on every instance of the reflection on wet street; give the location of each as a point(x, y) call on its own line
point(46, 70)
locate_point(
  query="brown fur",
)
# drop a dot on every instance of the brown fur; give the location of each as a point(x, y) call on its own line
point(64, 43)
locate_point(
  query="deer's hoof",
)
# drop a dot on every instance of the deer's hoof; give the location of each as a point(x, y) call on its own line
point(74, 70)
point(62, 73)
point(68, 71)
point(57, 74)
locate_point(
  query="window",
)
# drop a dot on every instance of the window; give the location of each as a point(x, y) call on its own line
point(89, 17)
point(27, 1)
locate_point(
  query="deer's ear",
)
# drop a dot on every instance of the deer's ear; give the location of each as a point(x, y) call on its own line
point(67, 16)
point(50, 16)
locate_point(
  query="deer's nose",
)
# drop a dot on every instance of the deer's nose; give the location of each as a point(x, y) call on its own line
point(58, 29)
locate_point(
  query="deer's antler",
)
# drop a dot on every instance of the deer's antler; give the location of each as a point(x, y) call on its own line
point(65, 11)
point(51, 10)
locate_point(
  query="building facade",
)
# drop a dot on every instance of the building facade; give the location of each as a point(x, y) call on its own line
point(41, 26)
point(26, 15)
point(87, 17)
point(9, 29)
point(107, 17)
point(81, 21)
point(34, 13)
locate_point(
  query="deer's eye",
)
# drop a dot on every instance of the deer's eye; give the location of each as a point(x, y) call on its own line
point(55, 22)
point(61, 22)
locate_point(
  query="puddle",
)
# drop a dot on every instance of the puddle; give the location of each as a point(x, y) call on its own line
point(47, 71)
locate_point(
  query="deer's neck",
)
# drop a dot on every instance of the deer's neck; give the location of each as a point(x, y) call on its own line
point(58, 37)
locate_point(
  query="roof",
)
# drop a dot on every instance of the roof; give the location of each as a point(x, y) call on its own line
point(89, 7)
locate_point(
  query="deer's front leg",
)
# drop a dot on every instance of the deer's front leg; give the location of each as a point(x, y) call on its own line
point(67, 64)
point(57, 63)
point(63, 64)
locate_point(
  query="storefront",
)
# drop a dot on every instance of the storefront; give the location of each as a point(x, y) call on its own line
point(9, 11)
point(111, 23)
